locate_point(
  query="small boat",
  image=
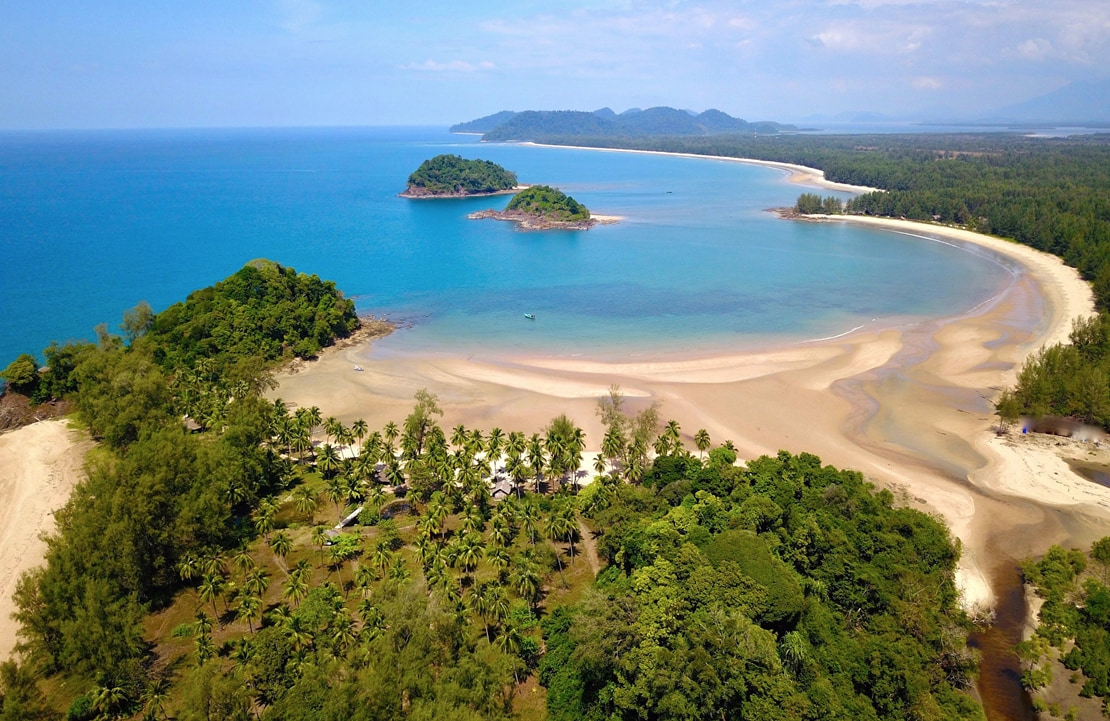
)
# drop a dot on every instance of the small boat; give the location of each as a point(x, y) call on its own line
point(530, 316)
point(358, 368)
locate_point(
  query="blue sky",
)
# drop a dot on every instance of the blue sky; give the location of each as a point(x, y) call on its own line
point(70, 64)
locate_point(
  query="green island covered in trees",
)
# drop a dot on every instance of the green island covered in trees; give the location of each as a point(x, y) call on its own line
point(273, 563)
point(542, 207)
point(451, 176)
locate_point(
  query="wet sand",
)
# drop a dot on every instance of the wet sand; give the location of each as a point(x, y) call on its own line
point(910, 407)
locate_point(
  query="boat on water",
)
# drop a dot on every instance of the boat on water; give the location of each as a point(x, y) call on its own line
point(530, 316)
point(358, 368)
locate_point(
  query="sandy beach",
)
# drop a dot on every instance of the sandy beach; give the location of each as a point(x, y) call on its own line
point(798, 173)
point(910, 407)
point(39, 466)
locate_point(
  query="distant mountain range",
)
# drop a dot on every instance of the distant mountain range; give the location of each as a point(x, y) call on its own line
point(1078, 103)
point(535, 124)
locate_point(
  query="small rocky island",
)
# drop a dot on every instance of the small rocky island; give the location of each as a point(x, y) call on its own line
point(451, 176)
point(542, 207)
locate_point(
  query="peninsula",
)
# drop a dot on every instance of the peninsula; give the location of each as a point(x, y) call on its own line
point(452, 176)
point(542, 207)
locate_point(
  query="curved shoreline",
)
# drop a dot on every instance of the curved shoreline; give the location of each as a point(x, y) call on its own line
point(798, 173)
point(909, 407)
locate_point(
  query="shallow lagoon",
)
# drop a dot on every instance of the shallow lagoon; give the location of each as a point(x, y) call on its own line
point(94, 222)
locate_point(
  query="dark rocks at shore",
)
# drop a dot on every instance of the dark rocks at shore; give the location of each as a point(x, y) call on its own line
point(419, 192)
point(531, 221)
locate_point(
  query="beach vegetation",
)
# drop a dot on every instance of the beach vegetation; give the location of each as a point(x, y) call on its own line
point(1073, 620)
point(549, 203)
point(195, 571)
point(814, 204)
point(454, 175)
point(22, 374)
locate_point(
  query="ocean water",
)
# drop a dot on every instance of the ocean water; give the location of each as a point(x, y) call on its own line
point(93, 222)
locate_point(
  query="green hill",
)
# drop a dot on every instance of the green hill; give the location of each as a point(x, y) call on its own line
point(550, 203)
point(452, 175)
point(635, 123)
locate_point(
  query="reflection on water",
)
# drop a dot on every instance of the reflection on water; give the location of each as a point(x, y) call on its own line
point(1098, 474)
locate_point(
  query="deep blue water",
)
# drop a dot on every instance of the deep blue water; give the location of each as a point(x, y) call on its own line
point(91, 223)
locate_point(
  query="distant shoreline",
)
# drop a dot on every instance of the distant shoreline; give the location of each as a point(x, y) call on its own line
point(798, 173)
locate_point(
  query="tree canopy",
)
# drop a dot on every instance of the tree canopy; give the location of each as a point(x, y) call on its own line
point(550, 203)
point(454, 175)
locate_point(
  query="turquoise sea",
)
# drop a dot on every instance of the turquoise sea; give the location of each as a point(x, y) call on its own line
point(93, 222)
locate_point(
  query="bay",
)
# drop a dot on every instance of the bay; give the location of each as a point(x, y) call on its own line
point(93, 222)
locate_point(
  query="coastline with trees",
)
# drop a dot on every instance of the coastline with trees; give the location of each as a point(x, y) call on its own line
point(757, 399)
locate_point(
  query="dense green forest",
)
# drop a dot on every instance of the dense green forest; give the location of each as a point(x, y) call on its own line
point(550, 203)
point(194, 575)
point(1074, 620)
point(783, 590)
point(452, 174)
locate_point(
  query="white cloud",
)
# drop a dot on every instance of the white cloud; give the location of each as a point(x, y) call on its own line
point(872, 38)
point(926, 83)
point(1035, 49)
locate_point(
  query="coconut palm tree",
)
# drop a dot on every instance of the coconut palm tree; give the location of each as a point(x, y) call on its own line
point(336, 491)
point(479, 601)
point(295, 589)
point(305, 501)
point(526, 582)
point(673, 435)
point(701, 440)
point(494, 442)
point(390, 433)
point(342, 632)
point(472, 520)
point(365, 577)
point(154, 699)
point(320, 539)
point(510, 641)
point(530, 520)
point(249, 607)
point(469, 552)
point(399, 571)
point(242, 560)
point(536, 460)
point(500, 534)
point(109, 701)
point(498, 556)
point(188, 567)
point(256, 582)
point(600, 464)
point(359, 429)
point(327, 461)
point(209, 590)
point(281, 544)
point(264, 520)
